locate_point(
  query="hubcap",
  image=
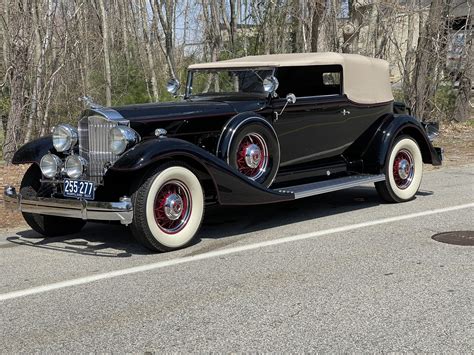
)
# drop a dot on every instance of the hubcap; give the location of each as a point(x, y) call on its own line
point(403, 169)
point(252, 156)
point(172, 207)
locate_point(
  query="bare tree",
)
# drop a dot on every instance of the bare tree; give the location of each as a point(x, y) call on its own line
point(166, 10)
point(429, 53)
point(463, 108)
point(18, 34)
point(105, 37)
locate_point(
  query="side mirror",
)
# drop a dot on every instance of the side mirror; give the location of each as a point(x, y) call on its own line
point(172, 86)
point(290, 99)
point(270, 84)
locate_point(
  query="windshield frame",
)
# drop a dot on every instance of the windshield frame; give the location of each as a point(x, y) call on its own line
point(189, 83)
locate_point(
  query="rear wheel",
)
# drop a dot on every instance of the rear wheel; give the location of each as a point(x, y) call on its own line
point(48, 226)
point(168, 208)
point(403, 171)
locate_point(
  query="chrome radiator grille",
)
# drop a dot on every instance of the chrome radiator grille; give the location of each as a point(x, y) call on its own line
point(94, 145)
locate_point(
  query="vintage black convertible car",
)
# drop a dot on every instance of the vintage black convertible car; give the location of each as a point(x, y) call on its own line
point(253, 130)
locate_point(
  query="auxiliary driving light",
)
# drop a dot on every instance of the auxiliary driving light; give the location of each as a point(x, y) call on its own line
point(64, 137)
point(74, 166)
point(50, 165)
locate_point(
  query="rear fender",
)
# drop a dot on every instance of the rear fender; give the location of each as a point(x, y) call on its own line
point(231, 187)
point(396, 125)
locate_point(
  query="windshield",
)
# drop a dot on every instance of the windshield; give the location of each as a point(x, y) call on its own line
point(228, 82)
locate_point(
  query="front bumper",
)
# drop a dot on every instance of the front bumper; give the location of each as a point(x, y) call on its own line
point(87, 210)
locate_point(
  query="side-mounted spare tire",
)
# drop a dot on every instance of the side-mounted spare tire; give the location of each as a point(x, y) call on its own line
point(251, 146)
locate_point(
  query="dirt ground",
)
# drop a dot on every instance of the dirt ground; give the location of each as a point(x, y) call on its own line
point(458, 143)
point(456, 139)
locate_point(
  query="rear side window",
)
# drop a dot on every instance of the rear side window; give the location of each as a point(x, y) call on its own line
point(310, 80)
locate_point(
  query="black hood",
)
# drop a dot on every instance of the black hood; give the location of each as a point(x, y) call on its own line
point(171, 111)
point(186, 118)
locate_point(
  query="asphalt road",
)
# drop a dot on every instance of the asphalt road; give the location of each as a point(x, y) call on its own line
point(338, 272)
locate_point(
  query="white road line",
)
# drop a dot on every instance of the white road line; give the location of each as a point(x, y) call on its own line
point(217, 253)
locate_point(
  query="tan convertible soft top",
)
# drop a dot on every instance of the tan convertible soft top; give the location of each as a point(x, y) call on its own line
point(365, 80)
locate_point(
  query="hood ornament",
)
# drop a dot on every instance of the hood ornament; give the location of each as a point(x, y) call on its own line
point(89, 102)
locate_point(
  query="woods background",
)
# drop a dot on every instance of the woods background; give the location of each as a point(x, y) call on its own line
point(122, 52)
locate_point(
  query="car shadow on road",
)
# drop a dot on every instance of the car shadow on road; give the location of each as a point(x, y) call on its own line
point(96, 239)
point(220, 223)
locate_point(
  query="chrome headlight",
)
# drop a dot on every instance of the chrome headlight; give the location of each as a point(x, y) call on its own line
point(121, 138)
point(50, 165)
point(74, 166)
point(64, 137)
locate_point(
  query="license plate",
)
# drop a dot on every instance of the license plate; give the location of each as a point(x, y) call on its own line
point(79, 189)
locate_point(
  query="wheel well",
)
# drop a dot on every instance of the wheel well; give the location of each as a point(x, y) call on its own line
point(420, 140)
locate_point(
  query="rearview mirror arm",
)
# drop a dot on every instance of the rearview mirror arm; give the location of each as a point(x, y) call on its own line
point(290, 98)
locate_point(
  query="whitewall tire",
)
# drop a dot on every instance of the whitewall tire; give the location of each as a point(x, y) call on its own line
point(168, 208)
point(403, 171)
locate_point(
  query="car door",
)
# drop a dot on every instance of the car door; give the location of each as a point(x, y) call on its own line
point(315, 126)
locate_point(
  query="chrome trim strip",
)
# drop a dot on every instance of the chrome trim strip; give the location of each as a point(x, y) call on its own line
point(88, 210)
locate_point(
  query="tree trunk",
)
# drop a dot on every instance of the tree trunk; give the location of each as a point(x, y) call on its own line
point(13, 134)
point(19, 34)
point(462, 109)
point(316, 14)
point(165, 9)
point(149, 51)
point(105, 41)
point(429, 56)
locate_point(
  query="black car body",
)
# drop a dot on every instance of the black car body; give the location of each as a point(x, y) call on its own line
point(253, 130)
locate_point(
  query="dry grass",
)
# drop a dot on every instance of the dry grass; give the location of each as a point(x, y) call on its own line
point(10, 175)
point(457, 139)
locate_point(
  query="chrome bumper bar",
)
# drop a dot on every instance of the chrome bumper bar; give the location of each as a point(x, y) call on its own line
point(87, 210)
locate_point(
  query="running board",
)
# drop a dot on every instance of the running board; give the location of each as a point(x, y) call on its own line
point(322, 187)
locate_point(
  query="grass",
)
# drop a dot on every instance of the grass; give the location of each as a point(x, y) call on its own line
point(470, 122)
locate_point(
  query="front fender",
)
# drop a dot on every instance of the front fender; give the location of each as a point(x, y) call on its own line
point(33, 151)
point(232, 187)
point(396, 125)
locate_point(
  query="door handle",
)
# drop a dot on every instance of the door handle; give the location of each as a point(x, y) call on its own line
point(345, 112)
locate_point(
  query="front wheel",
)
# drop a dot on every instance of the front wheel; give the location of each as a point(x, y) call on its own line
point(168, 208)
point(403, 171)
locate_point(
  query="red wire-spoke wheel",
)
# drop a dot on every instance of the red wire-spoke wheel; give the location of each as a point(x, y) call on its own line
point(252, 149)
point(168, 207)
point(403, 169)
point(252, 156)
point(172, 207)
